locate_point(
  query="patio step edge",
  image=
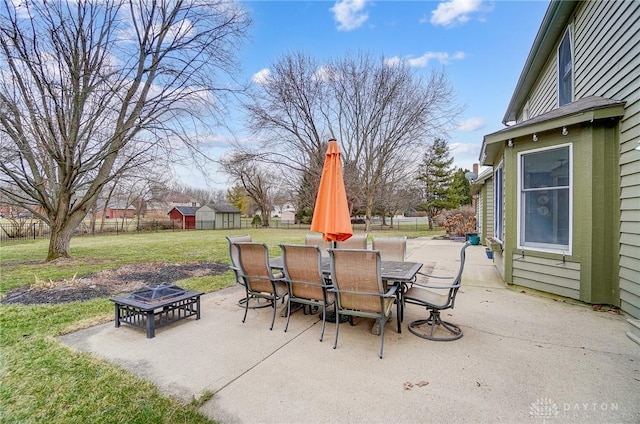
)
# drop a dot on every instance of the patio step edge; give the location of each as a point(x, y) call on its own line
point(634, 330)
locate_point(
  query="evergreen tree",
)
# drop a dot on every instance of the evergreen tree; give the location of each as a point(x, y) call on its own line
point(437, 175)
point(460, 192)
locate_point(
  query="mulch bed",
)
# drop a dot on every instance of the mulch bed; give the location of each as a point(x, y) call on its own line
point(106, 283)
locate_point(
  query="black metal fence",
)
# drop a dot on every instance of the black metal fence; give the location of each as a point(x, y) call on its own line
point(33, 229)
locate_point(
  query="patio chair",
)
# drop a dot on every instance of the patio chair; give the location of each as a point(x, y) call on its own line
point(358, 288)
point(315, 239)
point(390, 248)
point(307, 286)
point(356, 241)
point(436, 298)
point(235, 266)
point(259, 280)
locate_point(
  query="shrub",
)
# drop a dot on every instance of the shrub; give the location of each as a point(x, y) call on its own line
point(460, 221)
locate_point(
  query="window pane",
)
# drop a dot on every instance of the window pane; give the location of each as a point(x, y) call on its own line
point(546, 218)
point(549, 168)
point(545, 196)
point(565, 71)
point(498, 204)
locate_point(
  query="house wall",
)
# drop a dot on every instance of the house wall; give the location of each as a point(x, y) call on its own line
point(606, 47)
point(544, 95)
point(481, 213)
point(589, 271)
point(488, 206)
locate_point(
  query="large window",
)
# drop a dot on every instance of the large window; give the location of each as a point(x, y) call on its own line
point(544, 204)
point(565, 70)
point(498, 199)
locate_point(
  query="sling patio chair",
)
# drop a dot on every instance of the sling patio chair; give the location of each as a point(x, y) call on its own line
point(356, 241)
point(307, 285)
point(259, 280)
point(358, 288)
point(235, 266)
point(390, 248)
point(316, 239)
point(435, 298)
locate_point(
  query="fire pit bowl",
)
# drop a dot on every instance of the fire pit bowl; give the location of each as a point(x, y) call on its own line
point(156, 294)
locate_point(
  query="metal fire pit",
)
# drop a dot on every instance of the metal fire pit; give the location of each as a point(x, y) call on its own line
point(153, 307)
point(158, 293)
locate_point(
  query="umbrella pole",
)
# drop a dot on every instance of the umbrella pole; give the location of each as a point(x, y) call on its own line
point(331, 315)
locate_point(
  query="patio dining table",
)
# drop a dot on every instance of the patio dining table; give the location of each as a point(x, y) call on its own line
point(392, 272)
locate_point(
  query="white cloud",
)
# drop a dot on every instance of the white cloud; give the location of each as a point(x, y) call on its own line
point(465, 154)
point(349, 14)
point(454, 12)
point(261, 77)
point(421, 62)
point(471, 124)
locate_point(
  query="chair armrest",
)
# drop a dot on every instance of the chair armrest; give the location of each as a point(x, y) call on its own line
point(392, 291)
point(427, 286)
point(434, 276)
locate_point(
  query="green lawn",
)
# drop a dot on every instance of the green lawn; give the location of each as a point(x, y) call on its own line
point(41, 380)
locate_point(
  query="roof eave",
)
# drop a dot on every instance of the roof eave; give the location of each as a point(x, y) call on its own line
point(553, 24)
point(492, 143)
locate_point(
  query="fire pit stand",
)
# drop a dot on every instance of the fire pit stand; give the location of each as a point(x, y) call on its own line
point(156, 307)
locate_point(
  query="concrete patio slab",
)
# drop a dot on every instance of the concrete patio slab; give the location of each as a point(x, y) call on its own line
point(523, 358)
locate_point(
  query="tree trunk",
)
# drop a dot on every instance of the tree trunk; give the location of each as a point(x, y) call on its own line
point(59, 242)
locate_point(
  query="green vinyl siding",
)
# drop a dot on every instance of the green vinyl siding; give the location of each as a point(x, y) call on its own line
point(549, 275)
point(544, 96)
point(606, 52)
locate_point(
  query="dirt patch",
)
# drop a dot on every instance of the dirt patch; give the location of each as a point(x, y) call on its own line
point(125, 279)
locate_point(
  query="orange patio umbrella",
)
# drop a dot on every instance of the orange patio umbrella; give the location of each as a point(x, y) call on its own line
point(331, 215)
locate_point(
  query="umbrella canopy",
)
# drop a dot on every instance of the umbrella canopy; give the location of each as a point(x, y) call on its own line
point(331, 215)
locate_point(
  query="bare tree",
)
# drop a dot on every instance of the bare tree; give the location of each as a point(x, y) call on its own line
point(397, 194)
point(87, 87)
point(258, 181)
point(382, 113)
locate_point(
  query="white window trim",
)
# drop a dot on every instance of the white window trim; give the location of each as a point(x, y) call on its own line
point(573, 66)
point(500, 166)
point(569, 250)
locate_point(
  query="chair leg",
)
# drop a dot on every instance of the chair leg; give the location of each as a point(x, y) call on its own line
point(246, 306)
point(335, 343)
point(286, 327)
point(275, 307)
point(324, 316)
point(382, 336)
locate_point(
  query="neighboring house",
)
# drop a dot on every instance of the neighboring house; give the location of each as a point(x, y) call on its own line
point(287, 213)
point(160, 203)
point(185, 215)
point(561, 204)
point(116, 209)
point(217, 217)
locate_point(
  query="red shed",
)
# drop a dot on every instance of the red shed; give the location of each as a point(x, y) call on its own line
point(185, 215)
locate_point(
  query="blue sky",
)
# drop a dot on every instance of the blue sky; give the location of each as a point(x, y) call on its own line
point(482, 46)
